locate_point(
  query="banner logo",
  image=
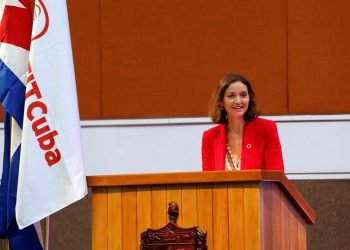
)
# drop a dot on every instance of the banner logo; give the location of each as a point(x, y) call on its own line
point(36, 114)
point(40, 12)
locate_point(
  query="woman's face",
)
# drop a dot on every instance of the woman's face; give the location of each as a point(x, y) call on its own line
point(236, 99)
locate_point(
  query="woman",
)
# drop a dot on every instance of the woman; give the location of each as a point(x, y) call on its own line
point(242, 140)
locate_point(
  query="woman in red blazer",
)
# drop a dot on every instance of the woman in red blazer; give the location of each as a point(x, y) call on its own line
point(242, 140)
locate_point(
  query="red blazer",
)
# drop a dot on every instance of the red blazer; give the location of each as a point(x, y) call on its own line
point(261, 148)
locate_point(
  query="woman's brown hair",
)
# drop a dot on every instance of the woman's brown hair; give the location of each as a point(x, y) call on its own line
point(217, 113)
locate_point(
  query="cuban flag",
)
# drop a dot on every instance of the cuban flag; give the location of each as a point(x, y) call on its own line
point(51, 173)
point(15, 35)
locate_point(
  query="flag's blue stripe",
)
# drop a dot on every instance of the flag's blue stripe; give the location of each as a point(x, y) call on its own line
point(5, 179)
point(12, 93)
point(27, 238)
point(12, 185)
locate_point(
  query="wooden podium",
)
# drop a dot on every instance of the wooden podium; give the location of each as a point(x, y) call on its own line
point(239, 210)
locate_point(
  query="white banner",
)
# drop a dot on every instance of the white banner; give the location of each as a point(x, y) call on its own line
point(51, 174)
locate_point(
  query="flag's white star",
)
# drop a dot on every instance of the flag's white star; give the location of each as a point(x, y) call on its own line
point(15, 3)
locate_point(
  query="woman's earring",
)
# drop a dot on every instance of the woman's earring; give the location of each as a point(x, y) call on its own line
point(222, 108)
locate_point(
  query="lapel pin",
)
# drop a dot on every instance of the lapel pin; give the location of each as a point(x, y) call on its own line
point(248, 146)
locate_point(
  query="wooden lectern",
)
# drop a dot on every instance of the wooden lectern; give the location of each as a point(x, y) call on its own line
point(238, 209)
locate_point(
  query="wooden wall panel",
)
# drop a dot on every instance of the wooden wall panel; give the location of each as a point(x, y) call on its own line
point(84, 18)
point(220, 215)
point(115, 230)
point(158, 58)
point(137, 59)
point(276, 218)
point(284, 223)
point(283, 226)
point(302, 235)
point(236, 218)
point(293, 228)
point(267, 213)
point(318, 56)
point(100, 221)
point(159, 201)
point(252, 216)
point(205, 219)
point(144, 209)
point(129, 220)
point(189, 204)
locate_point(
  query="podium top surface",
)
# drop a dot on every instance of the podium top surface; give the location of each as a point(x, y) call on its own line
point(208, 177)
point(185, 177)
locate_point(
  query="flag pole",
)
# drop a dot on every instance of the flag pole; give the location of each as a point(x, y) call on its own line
point(47, 233)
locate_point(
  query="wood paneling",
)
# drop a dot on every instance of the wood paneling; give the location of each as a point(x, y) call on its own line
point(85, 26)
point(136, 59)
point(252, 216)
point(158, 57)
point(302, 244)
point(189, 204)
point(236, 218)
point(276, 218)
point(236, 214)
point(207, 177)
point(268, 212)
point(115, 218)
point(284, 223)
point(159, 206)
point(144, 209)
point(129, 220)
point(100, 218)
point(205, 211)
point(293, 229)
point(318, 56)
point(220, 217)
